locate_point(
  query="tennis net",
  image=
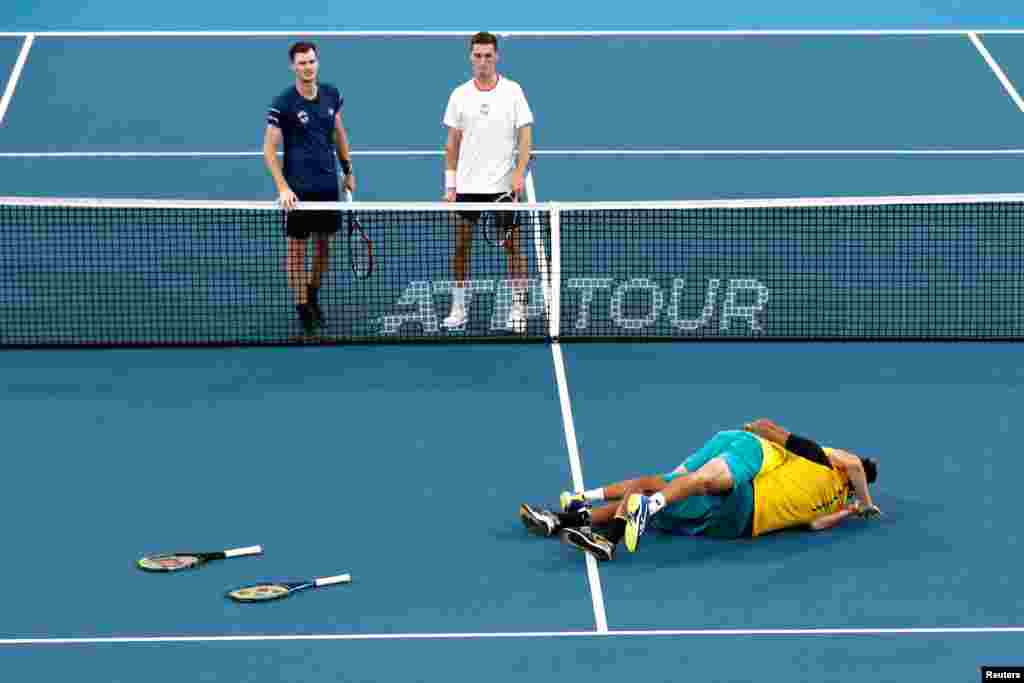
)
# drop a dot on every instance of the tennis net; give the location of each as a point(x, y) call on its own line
point(136, 272)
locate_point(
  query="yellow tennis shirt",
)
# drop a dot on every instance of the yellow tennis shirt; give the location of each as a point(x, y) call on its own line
point(794, 491)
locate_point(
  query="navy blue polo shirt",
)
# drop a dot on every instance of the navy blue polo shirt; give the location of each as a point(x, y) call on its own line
point(307, 126)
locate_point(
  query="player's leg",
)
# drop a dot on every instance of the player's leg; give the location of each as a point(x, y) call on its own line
point(738, 463)
point(608, 517)
point(517, 272)
point(611, 492)
point(321, 264)
point(295, 266)
point(616, 491)
point(465, 223)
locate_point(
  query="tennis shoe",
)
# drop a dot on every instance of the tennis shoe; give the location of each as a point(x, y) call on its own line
point(517, 319)
point(571, 502)
point(590, 542)
point(538, 522)
point(456, 319)
point(637, 511)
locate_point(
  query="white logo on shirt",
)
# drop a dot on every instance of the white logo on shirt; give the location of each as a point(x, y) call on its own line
point(330, 111)
point(303, 117)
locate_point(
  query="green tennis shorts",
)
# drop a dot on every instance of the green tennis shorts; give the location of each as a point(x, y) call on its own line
point(720, 516)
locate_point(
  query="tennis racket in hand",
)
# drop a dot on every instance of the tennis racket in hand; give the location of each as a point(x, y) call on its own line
point(275, 590)
point(172, 562)
point(499, 226)
point(360, 248)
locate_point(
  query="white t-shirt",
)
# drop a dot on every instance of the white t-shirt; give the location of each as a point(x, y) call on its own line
point(489, 121)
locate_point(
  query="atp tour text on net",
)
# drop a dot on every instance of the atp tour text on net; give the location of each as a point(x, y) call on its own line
point(739, 301)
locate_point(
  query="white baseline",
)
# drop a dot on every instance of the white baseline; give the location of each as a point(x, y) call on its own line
point(127, 640)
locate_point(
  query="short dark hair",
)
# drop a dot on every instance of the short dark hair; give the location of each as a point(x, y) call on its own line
point(870, 469)
point(302, 46)
point(483, 38)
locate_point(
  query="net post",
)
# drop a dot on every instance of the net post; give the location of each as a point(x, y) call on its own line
point(556, 272)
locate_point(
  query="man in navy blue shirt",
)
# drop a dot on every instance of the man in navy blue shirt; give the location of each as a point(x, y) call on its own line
point(306, 117)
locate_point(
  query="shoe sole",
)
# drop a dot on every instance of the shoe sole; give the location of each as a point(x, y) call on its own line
point(576, 540)
point(633, 531)
point(532, 526)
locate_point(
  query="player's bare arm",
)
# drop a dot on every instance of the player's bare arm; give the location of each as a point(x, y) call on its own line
point(271, 141)
point(830, 520)
point(451, 158)
point(524, 143)
point(851, 464)
point(344, 152)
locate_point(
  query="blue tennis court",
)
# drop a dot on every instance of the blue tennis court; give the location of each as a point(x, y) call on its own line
point(405, 464)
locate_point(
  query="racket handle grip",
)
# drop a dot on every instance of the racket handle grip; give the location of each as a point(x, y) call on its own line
point(238, 552)
point(328, 580)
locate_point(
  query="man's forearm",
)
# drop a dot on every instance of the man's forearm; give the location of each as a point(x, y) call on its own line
point(525, 143)
point(344, 152)
point(830, 520)
point(451, 156)
point(860, 483)
point(768, 430)
point(274, 166)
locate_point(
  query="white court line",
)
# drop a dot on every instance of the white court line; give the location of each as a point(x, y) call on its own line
point(143, 154)
point(596, 593)
point(1000, 74)
point(682, 33)
point(12, 82)
point(124, 640)
point(593, 576)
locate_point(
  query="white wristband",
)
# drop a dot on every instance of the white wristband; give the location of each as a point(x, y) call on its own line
point(449, 180)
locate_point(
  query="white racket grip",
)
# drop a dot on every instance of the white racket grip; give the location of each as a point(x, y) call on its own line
point(238, 552)
point(328, 580)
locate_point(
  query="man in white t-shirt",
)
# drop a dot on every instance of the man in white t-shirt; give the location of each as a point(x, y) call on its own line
point(489, 135)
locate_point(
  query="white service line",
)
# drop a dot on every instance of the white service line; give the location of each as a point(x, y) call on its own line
point(1000, 74)
point(12, 82)
point(746, 632)
point(144, 154)
point(596, 594)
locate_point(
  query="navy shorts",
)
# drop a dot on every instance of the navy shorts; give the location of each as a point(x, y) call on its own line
point(506, 219)
point(300, 224)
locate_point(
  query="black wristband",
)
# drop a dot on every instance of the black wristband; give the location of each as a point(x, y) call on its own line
point(346, 166)
point(808, 449)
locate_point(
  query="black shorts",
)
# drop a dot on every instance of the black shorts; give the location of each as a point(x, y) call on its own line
point(300, 224)
point(506, 219)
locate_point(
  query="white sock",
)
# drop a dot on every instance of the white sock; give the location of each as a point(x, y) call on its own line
point(594, 494)
point(656, 502)
point(459, 296)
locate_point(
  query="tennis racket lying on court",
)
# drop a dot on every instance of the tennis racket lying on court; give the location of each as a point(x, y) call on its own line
point(275, 590)
point(499, 225)
point(172, 562)
point(360, 248)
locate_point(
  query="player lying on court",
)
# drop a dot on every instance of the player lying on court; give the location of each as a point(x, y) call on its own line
point(738, 484)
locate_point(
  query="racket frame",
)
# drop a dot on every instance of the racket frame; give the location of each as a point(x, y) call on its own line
point(284, 589)
point(153, 562)
point(355, 229)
